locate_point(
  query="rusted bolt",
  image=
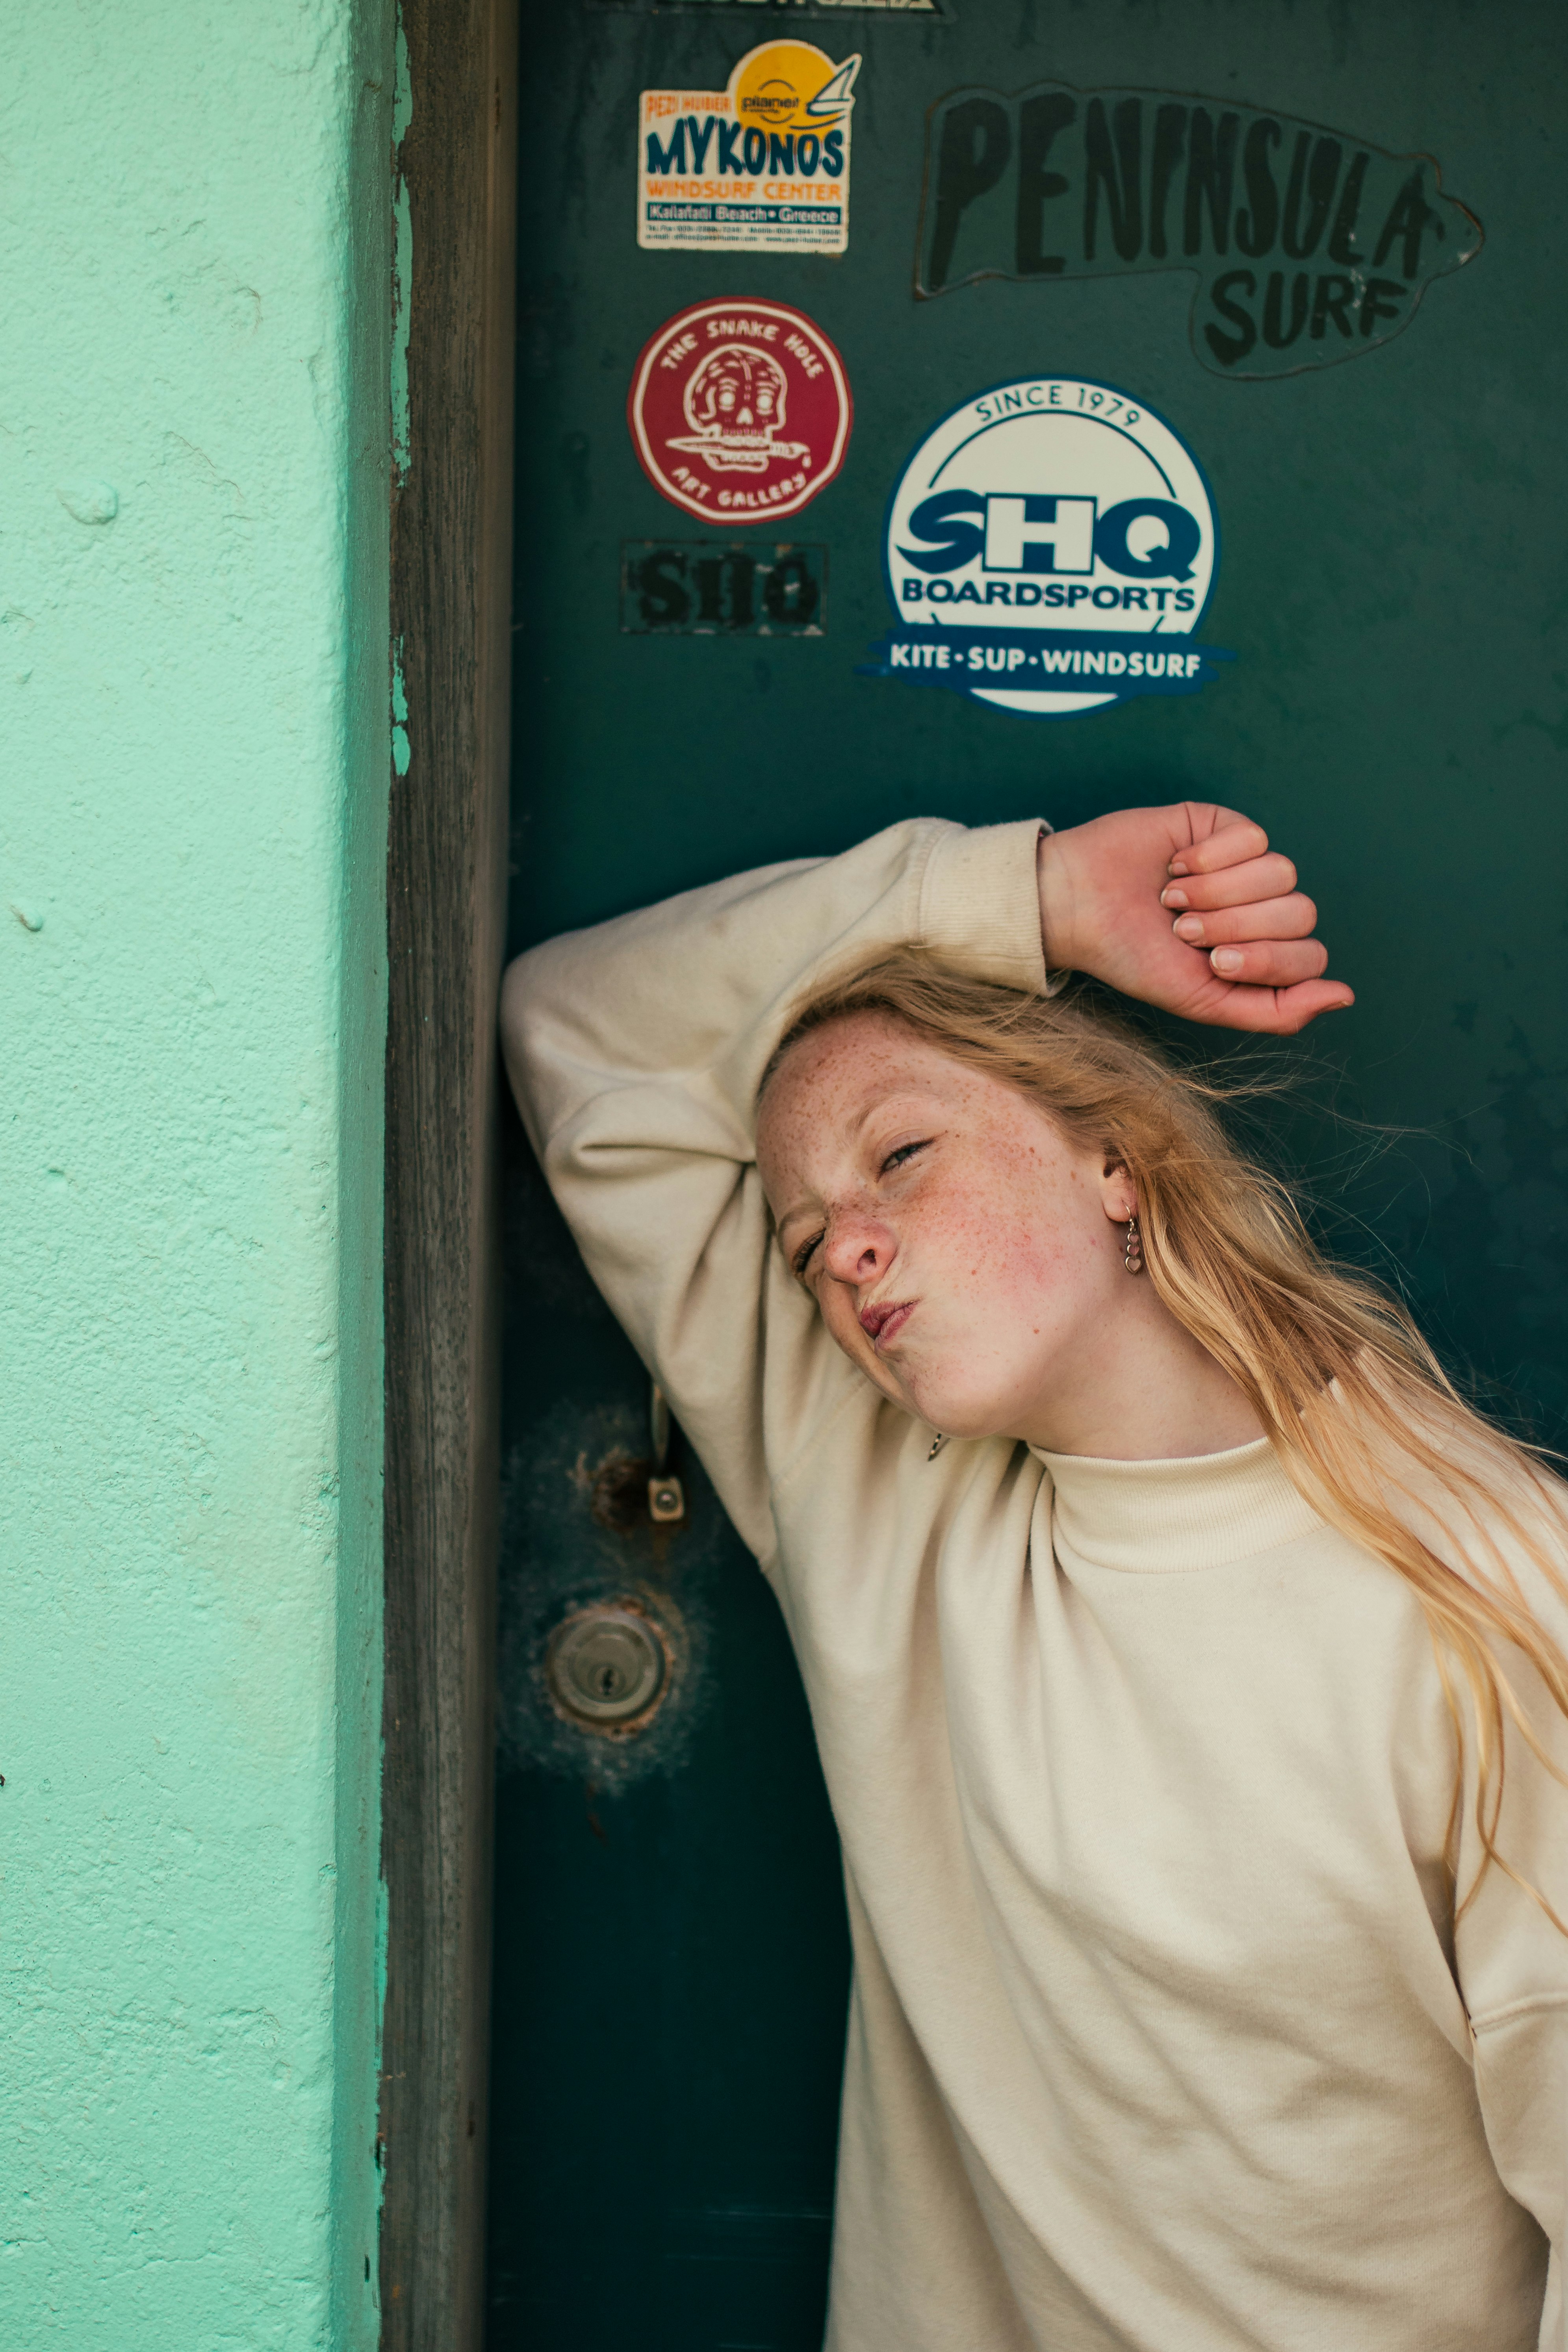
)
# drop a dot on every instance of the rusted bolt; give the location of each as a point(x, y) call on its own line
point(666, 1500)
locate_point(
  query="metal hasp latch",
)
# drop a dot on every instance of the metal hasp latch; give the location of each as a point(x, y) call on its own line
point(607, 1664)
point(666, 1495)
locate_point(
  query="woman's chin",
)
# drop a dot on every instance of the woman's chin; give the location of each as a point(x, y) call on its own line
point(943, 1398)
point(959, 1413)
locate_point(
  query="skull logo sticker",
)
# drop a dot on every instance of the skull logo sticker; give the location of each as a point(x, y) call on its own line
point(739, 410)
point(734, 404)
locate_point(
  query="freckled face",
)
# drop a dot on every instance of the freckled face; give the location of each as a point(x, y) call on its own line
point(961, 1251)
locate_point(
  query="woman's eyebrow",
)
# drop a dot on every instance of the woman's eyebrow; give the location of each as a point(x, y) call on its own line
point(806, 1207)
point(893, 1094)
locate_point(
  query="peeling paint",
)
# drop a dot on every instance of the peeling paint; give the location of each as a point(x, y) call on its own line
point(402, 261)
point(400, 750)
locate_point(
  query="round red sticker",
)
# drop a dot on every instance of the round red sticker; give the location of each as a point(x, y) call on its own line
point(739, 410)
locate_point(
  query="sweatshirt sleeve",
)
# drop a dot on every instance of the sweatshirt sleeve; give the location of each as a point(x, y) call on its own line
point(1521, 2072)
point(1513, 1962)
point(636, 1050)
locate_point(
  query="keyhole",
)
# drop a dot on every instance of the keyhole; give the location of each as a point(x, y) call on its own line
point(606, 1663)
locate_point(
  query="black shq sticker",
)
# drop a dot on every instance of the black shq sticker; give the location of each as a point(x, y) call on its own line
point(1310, 245)
point(707, 588)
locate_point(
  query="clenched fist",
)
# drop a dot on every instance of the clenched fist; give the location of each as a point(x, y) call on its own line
point(1187, 907)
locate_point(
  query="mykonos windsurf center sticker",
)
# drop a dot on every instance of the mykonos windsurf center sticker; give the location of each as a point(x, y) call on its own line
point(1050, 548)
point(761, 166)
point(740, 410)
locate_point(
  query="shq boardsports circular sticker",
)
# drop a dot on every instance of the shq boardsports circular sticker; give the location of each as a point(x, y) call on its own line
point(739, 410)
point(1050, 548)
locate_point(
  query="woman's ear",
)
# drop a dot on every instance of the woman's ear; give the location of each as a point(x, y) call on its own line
point(1118, 1193)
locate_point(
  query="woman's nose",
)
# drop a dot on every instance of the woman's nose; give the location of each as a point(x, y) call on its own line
point(859, 1250)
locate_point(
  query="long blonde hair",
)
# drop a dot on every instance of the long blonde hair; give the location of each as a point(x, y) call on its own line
point(1367, 1425)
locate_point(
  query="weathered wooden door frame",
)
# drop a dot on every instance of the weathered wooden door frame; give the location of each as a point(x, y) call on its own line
point(451, 583)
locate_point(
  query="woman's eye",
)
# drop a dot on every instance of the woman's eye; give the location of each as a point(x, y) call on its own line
point(804, 1255)
point(897, 1159)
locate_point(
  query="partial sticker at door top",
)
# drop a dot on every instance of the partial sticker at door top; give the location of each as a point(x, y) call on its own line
point(761, 167)
point(1310, 245)
point(1050, 548)
point(739, 410)
point(794, 8)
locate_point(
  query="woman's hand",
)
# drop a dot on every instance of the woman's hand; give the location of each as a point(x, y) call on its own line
point(1187, 907)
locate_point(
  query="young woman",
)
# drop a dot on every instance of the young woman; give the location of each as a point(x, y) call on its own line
point(1184, 1657)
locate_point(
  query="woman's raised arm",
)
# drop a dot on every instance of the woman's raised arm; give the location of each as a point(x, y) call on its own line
point(636, 1050)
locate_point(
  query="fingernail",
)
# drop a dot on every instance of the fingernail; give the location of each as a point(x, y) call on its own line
point(1173, 897)
point(1176, 866)
point(1189, 927)
point(1226, 960)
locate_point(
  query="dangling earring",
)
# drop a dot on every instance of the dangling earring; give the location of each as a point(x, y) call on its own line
point(1132, 1255)
point(936, 1449)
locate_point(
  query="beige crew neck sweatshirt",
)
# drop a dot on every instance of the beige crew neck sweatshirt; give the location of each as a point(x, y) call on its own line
point(1162, 2038)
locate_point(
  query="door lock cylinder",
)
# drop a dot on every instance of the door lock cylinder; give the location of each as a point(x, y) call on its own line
point(607, 1666)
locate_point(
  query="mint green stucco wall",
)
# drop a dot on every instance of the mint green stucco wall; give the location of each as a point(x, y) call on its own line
point(194, 327)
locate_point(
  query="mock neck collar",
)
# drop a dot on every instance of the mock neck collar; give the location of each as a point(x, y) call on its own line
point(1195, 1513)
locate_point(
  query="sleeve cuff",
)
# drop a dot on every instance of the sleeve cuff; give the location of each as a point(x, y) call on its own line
point(980, 905)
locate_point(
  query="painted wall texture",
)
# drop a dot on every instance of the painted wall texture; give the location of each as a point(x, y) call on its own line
point(194, 746)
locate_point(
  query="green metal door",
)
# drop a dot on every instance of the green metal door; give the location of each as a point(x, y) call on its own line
point(1304, 257)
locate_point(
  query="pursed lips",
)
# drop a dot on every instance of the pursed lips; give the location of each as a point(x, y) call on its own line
point(881, 1324)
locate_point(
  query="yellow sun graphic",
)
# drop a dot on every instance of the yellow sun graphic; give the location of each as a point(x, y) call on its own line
point(792, 86)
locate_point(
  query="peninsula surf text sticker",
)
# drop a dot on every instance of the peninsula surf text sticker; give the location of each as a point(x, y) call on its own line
point(1050, 548)
point(1308, 246)
point(739, 410)
point(761, 167)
